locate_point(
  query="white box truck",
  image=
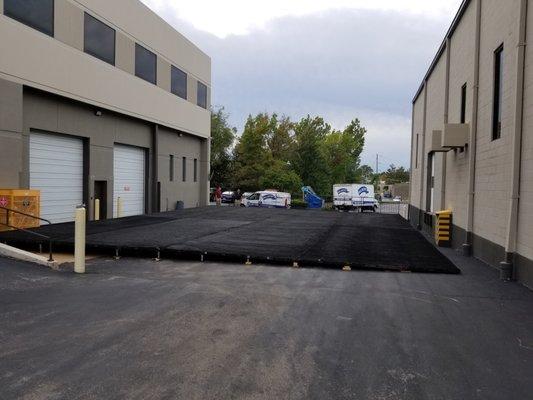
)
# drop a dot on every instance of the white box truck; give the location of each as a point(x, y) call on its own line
point(354, 197)
point(269, 199)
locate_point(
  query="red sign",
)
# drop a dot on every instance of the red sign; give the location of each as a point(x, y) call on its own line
point(3, 202)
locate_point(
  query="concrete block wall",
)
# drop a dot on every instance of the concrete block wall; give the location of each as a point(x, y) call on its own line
point(416, 158)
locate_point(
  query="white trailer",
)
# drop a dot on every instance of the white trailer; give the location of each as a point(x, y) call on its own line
point(354, 197)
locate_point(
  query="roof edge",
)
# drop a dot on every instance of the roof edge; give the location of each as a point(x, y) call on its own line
point(442, 47)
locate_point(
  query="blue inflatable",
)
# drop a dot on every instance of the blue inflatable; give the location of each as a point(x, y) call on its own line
point(311, 198)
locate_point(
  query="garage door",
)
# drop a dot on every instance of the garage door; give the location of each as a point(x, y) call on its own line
point(129, 180)
point(56, 169)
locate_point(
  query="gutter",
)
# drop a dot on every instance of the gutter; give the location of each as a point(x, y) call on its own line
point(423, 158)
point(446, 118)
point(507, 270)
point(472, 145)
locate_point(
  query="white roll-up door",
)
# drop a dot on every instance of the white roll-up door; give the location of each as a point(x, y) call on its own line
point(129, 180)
point(56, 169)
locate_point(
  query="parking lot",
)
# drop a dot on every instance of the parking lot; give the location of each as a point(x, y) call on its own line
point(140, 329)
point(282, 237)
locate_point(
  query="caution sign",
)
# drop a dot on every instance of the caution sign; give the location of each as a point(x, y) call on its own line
point(4, 202)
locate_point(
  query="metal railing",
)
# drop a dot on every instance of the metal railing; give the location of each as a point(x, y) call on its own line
point(40, 235)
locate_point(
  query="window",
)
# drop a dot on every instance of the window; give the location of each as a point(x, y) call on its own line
point(184, 169)
point(171, 168)
point(202, 95)
point(179, 83)
point(145, 64)
point(39, 14)
point(99, 40)
point(416, 151)
point(195, 170)
point(463, 104)
point(498, 94)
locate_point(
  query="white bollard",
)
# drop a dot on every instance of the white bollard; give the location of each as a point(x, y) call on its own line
point(119, 207)
point(97, 209)
point(79, 240)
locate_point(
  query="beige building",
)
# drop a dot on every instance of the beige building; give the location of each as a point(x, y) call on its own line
point(472, 136)
point(102, 99)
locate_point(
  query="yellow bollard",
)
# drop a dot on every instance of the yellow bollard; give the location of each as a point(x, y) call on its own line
point(79, 240)
point(119, 207)
point(97, 209)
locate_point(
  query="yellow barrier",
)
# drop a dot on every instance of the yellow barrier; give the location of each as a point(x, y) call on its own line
point(443, 228)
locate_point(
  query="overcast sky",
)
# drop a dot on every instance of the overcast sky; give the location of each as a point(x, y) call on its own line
point(340, 59)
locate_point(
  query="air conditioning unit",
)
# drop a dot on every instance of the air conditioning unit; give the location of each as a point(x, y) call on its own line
point(455, 136)
point(436, 142)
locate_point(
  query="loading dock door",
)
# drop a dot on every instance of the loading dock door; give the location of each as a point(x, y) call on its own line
point(129, 180)
point(56, 169)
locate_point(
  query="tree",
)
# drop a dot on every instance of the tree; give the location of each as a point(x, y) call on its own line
point(280, 176)
point(365, 174)
point(395, 175)
point(222, 139)
point(281, 139)
point(309, 159)
point(251, 152)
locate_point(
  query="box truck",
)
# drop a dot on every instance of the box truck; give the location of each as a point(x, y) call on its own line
point(354, 197)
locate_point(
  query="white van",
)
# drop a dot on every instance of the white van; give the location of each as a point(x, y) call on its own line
point(354, 197)
point(269, 199)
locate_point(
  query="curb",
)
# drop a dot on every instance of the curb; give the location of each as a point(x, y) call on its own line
point(18, 254)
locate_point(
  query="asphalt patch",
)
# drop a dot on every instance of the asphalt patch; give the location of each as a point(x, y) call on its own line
point(310, 238)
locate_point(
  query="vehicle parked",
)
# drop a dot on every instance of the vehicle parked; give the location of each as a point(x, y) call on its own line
point(228, 197)
point(354, 197)
point(244, 198)
point(269, 199)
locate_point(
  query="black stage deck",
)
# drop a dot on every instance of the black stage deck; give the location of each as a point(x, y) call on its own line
point(311, 238)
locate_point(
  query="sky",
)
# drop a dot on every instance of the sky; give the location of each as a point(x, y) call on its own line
point(338, 59)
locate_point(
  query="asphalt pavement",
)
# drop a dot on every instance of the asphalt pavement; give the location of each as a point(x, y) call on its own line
point(140, 329)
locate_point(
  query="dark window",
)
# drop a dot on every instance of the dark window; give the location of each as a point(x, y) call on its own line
point(195, 170)
point(202, 95)
point(145, 64)
point(416, 152)
point(99, 40)
point(179, 83)
point(171, 168)
point(498, 94)
point(184, 169)
point(463, 104)
point(39, 14)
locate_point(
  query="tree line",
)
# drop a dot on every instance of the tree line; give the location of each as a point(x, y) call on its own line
point(275, 152)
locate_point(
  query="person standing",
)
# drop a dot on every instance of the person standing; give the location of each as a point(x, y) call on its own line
point(218, 195)
point(238, 197)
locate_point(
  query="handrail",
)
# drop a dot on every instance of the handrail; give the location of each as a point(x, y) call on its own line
point(9, 210)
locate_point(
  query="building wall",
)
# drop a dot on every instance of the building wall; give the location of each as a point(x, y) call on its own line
point(493, 158)
point(525, 221)
point(499, 24)
point(416, 157)
point(435, 121)
point(58, 65)
point(462, 48)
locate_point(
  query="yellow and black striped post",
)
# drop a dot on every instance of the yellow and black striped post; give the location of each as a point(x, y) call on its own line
point(443, 228)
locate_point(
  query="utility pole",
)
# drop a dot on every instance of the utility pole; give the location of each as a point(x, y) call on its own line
point(377, 164)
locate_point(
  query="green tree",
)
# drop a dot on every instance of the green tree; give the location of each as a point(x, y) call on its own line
point(222, 139)
point(281, 139)
point(365, 174)
point(279, 175)
point(309, 158)
point(252, 156)
point(395, 175)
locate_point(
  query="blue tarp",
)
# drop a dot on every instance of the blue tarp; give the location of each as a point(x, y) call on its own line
point(311, 198)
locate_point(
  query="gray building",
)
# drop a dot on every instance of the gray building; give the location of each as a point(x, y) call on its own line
point(472, 136)
point(101, 99)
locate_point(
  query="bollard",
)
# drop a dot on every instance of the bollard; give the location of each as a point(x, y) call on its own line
point(97, 209)
point(119, 207)
point(79, 240)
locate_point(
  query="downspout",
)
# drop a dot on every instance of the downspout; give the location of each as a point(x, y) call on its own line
point(446, 117)
point(423, 158)
point(507, 272)
point(412, 163)
point(472, 145)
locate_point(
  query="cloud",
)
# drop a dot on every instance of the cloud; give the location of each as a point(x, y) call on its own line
point(238, 17)
point(339, 64)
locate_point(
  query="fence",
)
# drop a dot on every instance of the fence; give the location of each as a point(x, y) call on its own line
point(394, 208)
